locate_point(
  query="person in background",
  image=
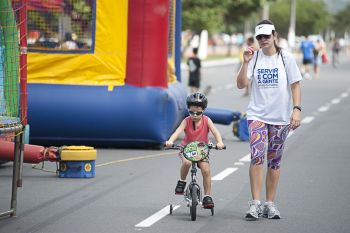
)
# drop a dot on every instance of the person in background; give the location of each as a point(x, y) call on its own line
point(318, 51)
point(335, 52)
point(194, 67)
point(69, 43)
point(307, 48)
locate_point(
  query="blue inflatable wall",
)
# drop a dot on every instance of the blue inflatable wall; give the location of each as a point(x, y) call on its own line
point(125, 117)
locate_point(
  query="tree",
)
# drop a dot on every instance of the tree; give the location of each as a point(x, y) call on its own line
point(237, 12)
point(341, 22)
point(204, 14)
point(218, 15)
point(312, 17)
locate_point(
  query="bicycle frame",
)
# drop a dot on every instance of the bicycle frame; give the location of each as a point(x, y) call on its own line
point(188, 194)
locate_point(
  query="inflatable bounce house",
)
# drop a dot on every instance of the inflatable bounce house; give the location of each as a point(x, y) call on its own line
point(104, 73)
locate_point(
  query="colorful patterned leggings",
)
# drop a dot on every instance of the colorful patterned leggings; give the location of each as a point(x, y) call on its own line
point(276, 135)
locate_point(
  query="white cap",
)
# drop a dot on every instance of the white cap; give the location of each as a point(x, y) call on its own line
point(264, 29)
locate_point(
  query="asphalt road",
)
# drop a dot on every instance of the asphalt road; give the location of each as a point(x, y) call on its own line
point(133, 188)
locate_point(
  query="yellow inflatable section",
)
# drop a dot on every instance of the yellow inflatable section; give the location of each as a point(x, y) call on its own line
point(171, 44)
point(105, 66)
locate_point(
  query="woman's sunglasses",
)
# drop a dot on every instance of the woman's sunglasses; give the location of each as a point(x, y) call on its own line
point(195, 113)
point(266, 37)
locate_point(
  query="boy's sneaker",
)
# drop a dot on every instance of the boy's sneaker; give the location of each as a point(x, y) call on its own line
point(208, 202)
point(270, 211)
point(254, 211)
point(180, 187)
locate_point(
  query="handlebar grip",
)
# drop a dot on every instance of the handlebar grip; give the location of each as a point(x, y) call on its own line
point(216, 148)
point(173, 147)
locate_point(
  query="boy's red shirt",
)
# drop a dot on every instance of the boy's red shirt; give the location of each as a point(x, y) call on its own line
point(200, 133)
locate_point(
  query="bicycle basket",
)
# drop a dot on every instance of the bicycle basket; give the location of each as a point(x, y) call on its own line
point(195, 151)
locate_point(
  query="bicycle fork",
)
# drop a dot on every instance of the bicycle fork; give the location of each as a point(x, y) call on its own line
point(193, 183)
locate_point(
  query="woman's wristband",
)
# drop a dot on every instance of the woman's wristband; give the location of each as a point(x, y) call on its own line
point(297, 107)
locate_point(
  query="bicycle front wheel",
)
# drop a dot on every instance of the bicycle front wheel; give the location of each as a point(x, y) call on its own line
point(194, 202)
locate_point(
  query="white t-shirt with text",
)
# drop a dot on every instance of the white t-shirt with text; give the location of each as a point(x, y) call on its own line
point(271, 96)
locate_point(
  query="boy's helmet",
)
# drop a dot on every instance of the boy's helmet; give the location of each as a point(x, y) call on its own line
point(197, 99)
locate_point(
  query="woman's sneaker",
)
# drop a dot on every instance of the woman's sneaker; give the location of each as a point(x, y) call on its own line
point(254, 211)
point(180, 187)
point(270, 211)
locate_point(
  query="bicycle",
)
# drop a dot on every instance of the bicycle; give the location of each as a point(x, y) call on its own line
point(194, 152)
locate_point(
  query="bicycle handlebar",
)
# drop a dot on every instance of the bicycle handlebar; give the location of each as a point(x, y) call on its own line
point(173, 147)
point(179, 147)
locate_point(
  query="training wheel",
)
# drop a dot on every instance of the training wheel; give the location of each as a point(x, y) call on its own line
point(171, 209)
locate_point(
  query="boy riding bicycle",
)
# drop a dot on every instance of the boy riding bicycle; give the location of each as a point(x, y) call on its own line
point(196, 127)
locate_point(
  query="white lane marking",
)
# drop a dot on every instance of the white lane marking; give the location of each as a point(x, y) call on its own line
point(224, 173)
point(238, 163)
point(344, 94)
point(156, 217)
point(307, 120)
point(290, 134)
point(335, 101)
point(323, 109)
point(228, 86)
point(246, 158)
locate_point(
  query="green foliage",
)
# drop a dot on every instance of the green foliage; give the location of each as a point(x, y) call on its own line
point(341, 22)
point(204, 14)
point(237, 12)
point(280, 16)
point(230, 15)
point(217, 15)
point(312, 17)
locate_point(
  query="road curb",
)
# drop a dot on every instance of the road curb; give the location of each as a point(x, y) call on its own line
point(213, 63)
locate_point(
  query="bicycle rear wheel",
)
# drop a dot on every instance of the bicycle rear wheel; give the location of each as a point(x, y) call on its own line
point(194, 202)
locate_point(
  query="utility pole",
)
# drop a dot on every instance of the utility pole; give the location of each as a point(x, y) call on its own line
point(291, 31)
point(266, 10)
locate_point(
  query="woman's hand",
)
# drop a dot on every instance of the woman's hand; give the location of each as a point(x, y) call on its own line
point(295, 120)
point(248, 54)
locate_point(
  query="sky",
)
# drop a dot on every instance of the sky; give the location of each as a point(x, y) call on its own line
point(336, 5)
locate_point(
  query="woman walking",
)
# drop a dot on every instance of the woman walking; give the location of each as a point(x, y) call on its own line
point(273, 110)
